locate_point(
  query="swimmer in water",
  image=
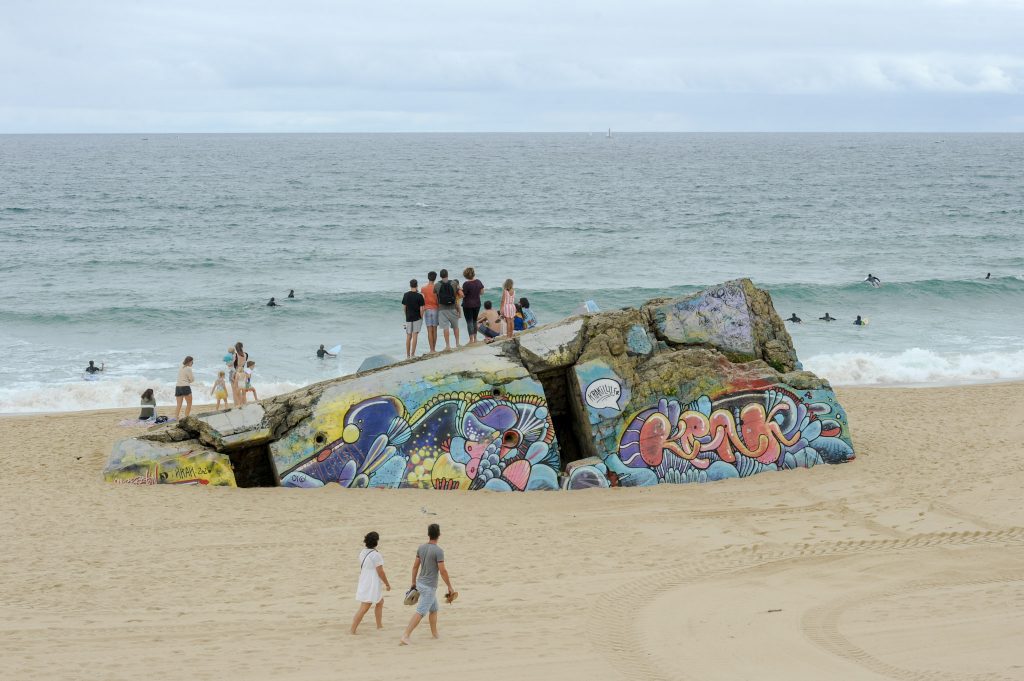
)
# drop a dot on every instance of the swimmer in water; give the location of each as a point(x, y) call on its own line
point(92, 368)
point(873, 280)
point(272, 303)
point(988, 276)
point(795, 319)
point(858, 321)
point(321, 353)
point(827, 318)
point(291, 293)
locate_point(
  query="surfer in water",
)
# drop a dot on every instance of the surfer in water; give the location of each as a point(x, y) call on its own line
point(873, 280)
point(93, 369)
point(272, 303)
point(988, 276)
point(291, 293)
point(827, 318)
point(858, 321)
point(321, 353)
point(793, 318)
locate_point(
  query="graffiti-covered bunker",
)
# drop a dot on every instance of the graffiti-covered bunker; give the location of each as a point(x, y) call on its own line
point(693, 389)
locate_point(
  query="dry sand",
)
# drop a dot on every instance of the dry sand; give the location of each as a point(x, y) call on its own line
point(907, 563)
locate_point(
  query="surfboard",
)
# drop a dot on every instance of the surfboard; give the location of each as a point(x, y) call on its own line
point(335, 350)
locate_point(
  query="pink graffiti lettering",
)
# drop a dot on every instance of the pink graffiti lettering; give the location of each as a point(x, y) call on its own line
point(758, 436)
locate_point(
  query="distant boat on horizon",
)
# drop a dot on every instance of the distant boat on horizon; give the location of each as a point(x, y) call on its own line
point(609, 135)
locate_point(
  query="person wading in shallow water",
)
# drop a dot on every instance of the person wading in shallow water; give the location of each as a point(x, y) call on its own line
point(428, 565)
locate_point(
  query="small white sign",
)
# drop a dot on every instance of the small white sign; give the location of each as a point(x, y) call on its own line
point(604, 394)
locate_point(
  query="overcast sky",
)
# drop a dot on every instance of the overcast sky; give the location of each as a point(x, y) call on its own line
point(476, 65)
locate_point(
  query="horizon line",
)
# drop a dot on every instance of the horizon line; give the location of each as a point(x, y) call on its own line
point(530, 132)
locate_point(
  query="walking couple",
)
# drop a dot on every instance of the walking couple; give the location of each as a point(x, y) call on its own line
point(429, 564)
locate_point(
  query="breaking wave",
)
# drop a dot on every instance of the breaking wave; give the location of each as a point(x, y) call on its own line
point(917, 366)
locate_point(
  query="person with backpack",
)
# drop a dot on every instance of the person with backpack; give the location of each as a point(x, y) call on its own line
point(447, 308)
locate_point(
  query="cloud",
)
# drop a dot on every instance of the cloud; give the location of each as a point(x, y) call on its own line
point(416, 64)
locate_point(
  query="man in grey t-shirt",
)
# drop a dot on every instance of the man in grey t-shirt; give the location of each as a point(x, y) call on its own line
point(428, 565)
point(447, 294)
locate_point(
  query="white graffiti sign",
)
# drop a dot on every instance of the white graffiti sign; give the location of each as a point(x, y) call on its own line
point(604, 394)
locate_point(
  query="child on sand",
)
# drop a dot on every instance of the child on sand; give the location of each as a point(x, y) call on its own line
point(220, 390)
point(249, 366)
point(372, 582)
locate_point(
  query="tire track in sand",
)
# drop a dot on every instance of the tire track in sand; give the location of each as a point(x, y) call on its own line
point(614, 631)
point(821, 626)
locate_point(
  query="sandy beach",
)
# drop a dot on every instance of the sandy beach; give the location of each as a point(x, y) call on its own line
point(907, 563)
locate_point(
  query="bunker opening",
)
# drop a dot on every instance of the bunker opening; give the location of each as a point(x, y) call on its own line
point(557, 390)
point(253, 467)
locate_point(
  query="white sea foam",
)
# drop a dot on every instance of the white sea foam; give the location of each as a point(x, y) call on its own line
point(917, 366)
point(105, 393)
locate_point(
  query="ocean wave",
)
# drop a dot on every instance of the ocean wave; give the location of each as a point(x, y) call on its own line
point(917, 366)
point(557, 300)
point(945, 288)
point(106, 393)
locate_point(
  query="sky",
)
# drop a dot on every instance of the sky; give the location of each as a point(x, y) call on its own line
point(478, 65)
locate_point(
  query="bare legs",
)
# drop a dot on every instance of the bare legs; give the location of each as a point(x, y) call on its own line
point(410, 343)
point(238, 391)
point(363, 609)
point(415, 622)
point(378, 614)
point(188, 405)
point(432, 338)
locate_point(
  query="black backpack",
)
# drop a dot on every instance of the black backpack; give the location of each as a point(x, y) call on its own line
point(446, 293)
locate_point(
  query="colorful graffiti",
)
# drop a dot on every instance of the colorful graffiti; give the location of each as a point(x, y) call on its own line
point(133, 463)
point(459, 440)
point(736, 435)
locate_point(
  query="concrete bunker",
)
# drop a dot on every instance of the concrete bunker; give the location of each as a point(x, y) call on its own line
point(693, 389)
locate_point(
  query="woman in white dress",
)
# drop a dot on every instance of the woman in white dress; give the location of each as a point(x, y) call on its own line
point(372, 582)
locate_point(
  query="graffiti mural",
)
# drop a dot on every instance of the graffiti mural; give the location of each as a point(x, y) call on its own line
point(736, 435)
point(135, 462)
point(458, 440)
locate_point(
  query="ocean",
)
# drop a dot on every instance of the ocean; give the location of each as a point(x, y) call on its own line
point(136, 250)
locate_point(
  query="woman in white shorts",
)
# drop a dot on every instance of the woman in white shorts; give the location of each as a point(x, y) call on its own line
point(372, 583)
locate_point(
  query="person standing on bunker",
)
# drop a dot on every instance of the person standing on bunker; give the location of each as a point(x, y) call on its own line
point(428, 565)
point(508, 307)
point(447, 308)
point(430, 310)
point(372, 583)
